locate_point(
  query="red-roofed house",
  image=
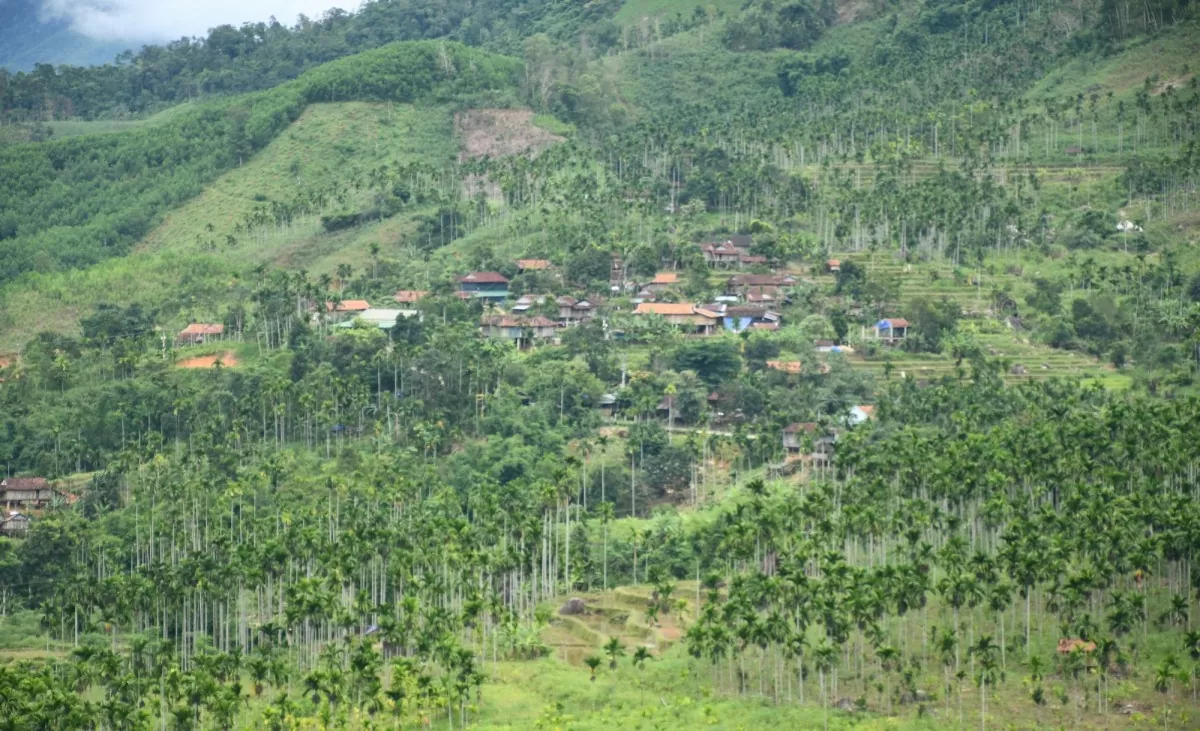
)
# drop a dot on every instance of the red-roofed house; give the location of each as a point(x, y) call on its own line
point(684, 315)
point(20, 493)
point(860, 414)
point(492, 286)
point(199, 332)
point(892, 328)
point(661, 282)
point(348, 306)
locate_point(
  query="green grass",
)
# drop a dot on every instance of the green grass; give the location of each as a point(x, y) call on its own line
point(64, 129)
point(329, 142)
point(1164, 55)
point(553, 125)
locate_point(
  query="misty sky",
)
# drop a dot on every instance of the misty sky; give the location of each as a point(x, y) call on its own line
point(163, 20)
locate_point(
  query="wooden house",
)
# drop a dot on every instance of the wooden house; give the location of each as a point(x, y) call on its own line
point(688, 317)
point(793, 435)
point(661, 282)
point(892, 329)
point(491, 286)
point(521, 330)
point(773, 285)
point(26, 493)
point(15, 525)
point(199, 333)
point(722, 254)
point(572, 311)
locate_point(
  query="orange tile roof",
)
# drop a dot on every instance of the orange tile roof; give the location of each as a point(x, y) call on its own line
point(202, 328)
point(665, 278)
point(533, 264)
point(347, 306)
point(668, 308)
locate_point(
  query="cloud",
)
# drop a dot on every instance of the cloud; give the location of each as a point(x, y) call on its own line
point(163, 20)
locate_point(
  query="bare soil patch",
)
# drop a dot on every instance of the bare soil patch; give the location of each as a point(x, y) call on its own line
point(1176, 84)
point(500, 133)
point(228, 360)
point(849, 11)
point(497, 133)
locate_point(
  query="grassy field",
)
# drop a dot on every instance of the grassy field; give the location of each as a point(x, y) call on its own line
point(64, 129)
point(1169, 57)
point(329, 142)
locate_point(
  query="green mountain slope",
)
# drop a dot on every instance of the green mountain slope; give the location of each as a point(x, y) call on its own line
point(76, 202)
point(654, 518)
point(884, 102)
point(193, 262)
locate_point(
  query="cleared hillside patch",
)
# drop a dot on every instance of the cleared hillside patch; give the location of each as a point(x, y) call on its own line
point(227, 359)
point(500, 133)
point(1169, 56)
point(329, 143)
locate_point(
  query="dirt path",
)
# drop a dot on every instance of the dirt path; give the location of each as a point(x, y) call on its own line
point(228, 360)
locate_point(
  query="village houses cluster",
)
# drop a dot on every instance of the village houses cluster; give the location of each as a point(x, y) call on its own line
point(749, 301)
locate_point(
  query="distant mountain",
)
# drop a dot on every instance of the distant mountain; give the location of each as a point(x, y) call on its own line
point(25, 40)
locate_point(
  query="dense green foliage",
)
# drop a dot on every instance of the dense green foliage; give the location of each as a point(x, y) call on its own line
point(347, 524)
point(264, 55)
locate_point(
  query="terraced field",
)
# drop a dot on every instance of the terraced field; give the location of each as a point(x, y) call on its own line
point(1022, 358)
point(619, 613)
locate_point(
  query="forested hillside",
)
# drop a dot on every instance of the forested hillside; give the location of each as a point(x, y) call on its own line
point(608, 365)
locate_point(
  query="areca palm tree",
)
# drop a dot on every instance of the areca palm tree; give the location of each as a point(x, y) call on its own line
point(640, 656)
point(593, 662)
point(985, 651)
point(614, 649)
